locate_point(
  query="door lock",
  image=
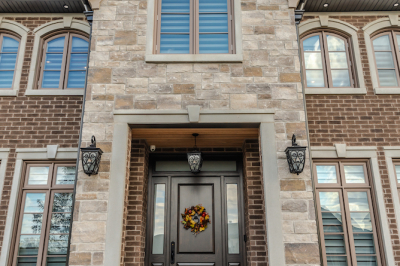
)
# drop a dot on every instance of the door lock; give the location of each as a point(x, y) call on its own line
point(172, 252)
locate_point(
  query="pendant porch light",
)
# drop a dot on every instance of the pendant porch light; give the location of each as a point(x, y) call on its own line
point(195, 159)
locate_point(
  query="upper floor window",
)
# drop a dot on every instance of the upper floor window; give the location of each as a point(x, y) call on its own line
point(64, 62)
point(194, 27)
point(347, 222)
point(386, 49)
point(8, 59)
point(326, 61)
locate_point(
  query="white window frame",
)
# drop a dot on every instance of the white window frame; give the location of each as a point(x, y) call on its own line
point(66, 23)
point(52, 152)
point(3, 166)
point(361, 152)
point(22, 31)
point(393, 152)
point(369, 29)
point(150, 57)
point(325, 22)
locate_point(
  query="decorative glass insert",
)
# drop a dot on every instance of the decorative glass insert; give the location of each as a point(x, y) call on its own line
point(65, 175)
point(8, 60)
point(385, 61)
point(232, 218)
point(159, 219)
point(326, 174)
point(354, 174)
point(38, 175)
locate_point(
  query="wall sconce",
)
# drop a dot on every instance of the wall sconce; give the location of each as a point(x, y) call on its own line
point(296, 157)
point(91, 157)
point(195, 159)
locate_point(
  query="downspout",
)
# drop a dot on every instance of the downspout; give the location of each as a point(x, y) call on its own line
point(298, 17)
point(89, 17)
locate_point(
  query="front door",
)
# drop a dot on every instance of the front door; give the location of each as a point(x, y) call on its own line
point(215, 193)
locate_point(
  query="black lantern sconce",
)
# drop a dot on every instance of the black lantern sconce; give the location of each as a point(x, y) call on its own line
point(91, 157)
point(296, 157)
point(195, 159)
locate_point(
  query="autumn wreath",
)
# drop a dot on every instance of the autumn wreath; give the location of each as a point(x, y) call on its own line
point(195, 218)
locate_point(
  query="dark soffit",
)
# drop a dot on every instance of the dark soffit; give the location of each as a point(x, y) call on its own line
point(41, 6)
point(351, 5)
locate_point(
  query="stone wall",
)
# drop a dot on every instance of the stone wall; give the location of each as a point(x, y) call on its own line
point(359, 120)
point(268, 78)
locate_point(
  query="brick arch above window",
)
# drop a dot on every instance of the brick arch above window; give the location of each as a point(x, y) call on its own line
point(370, 31)
point(41, 34)
point(21, 33)
point(324, 23)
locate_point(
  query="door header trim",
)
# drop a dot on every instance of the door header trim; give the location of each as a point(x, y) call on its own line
point(193, 115)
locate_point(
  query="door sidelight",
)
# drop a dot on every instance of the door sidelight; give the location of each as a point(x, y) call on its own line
point(172, 252)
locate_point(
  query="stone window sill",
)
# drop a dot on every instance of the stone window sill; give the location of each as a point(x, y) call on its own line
point(387, 90)
point(78, 92)
point(8, 93)
point(190, 58)
point(336, 91)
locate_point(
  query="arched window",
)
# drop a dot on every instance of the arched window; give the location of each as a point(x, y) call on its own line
point(64, 62)
point(386, 51)
point(326, 61)
point(8, 59)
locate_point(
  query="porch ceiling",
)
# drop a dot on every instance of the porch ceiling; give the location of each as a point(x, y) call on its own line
point(208, 137)
point(41, 6)
point(351, 5)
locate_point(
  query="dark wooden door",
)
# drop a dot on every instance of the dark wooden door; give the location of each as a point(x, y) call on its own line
point(169, 243)
point(205, 246)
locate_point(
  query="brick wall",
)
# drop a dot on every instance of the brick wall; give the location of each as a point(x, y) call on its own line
point(256, 245)
point(34, 122)
point(136, 211)
point(359, 120)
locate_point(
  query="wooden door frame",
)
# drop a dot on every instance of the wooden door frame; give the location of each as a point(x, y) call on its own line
point(238, 157)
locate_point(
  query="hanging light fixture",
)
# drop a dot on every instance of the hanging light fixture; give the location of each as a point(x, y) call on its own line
point(195, 159)
point(91, 157)
point(296, 157)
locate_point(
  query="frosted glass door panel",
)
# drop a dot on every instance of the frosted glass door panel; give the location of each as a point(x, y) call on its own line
point(159, 219)
point(232, 218)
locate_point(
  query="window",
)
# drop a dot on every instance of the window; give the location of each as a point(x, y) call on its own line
point(326, 61)
point(386, 50)
point(346, 214)
point(194, 27)
point(45, 215)
point(64, 62)
point(397, 173)
point(8, 59)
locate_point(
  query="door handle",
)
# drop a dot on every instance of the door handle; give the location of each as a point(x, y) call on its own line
point(172, 252)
